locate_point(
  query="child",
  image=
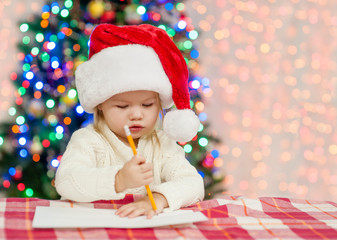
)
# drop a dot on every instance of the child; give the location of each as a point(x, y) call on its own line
point(132, 73)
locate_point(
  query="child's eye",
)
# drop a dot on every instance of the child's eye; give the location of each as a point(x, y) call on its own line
point(122, 106)
point(148, 105)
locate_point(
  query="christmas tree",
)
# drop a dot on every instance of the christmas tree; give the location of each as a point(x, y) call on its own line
point(47, 111)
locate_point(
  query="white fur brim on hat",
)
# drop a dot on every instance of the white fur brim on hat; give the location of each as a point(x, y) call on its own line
point(121, 69)
point(181, 125)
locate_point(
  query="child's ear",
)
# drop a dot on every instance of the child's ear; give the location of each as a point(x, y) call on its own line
point(99, 107)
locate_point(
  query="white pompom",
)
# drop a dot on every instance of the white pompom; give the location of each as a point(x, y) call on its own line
point(181, 125)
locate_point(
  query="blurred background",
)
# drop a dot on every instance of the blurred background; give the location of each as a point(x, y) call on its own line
point(264, 76)
point(272, 70)
point(11, 13)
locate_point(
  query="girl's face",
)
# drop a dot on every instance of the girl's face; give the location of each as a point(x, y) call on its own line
point(137, 109)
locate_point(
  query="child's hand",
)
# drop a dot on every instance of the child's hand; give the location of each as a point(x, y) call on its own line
point(135, 173)
point(143, 207)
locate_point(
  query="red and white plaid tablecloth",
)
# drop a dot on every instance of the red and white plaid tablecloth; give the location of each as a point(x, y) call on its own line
point(229, 218)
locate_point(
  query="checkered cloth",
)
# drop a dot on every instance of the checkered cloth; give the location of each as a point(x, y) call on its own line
point(229, 218)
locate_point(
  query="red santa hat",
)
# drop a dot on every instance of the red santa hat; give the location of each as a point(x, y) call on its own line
point(142, 57)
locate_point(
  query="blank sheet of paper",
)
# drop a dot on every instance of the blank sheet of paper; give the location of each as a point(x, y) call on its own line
point(81, 217)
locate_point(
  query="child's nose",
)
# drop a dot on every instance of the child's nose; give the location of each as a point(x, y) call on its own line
point(136, 113)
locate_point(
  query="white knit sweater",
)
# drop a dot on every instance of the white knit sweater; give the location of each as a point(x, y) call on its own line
point(91, 161)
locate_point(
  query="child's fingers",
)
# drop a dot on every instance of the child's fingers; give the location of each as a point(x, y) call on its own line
point(142, 207)
point(138, 159)
point(119, 210)
point(144, 182)
point(125, 210)
point(147, 176)
point(136, 212)
point(150, 214)
point(132, 212)
point(146, 167)
point(148, 181)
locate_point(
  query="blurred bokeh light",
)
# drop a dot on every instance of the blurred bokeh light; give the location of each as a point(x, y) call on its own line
point(272, 70)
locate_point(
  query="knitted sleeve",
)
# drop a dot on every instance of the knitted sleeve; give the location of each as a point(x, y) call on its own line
point(181, 184)
point(78, 178)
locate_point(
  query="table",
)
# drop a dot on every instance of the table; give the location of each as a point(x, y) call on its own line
point(230, 217)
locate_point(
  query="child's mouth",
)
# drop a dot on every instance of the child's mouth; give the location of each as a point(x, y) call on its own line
point(136, 128)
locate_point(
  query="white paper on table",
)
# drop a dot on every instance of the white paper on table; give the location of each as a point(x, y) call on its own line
point(80, 217)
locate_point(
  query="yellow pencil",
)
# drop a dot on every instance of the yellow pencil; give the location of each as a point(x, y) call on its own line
point(133, 147)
